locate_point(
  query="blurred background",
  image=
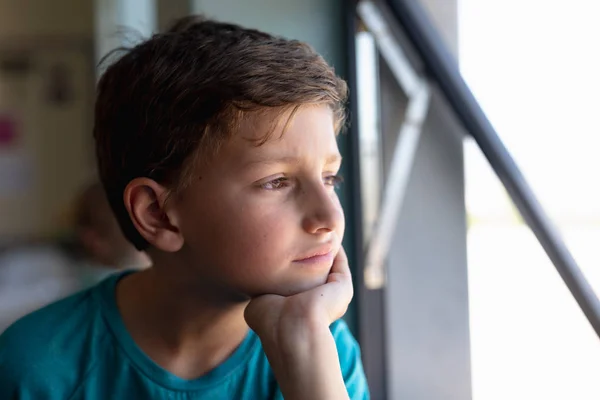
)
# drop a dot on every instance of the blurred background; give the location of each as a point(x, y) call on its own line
point(469, 305)
point(533, 67)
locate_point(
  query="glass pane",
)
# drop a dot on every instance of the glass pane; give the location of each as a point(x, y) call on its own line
point(533, 65)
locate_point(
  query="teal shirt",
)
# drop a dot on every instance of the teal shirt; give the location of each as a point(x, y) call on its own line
point(78, 348)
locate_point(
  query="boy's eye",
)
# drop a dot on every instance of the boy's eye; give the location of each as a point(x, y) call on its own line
point(275, 184)
point(333, 180)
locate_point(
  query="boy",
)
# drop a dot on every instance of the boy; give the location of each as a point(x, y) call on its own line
point(217, 148)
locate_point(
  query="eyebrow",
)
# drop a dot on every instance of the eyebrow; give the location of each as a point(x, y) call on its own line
point(331, 159)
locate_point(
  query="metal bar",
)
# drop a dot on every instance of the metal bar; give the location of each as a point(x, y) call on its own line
point(417, 91)
point(369, 130)
point(369, 303)
point(395, 188)
point(406, 76)
point(444, 70)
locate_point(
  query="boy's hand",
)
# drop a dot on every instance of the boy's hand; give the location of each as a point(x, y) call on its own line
point(296, 338)
point(319, 306)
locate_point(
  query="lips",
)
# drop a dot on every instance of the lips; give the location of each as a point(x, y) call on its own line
point(318, 254)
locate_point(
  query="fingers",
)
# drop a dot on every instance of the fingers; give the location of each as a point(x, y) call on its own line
point(328, 301)
point(340, 267)
point(338, 291)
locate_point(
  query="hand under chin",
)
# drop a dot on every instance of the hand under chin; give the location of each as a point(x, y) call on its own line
point(292, 288)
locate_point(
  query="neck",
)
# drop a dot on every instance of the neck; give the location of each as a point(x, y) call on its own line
point(176, 324)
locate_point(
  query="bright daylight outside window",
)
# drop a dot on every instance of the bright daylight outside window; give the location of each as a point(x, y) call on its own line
point(534, 67)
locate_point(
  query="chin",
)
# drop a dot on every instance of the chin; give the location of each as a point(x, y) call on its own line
point(298, 286)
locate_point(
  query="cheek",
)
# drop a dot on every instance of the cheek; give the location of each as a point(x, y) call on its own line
point(253, 237)
point(260, 236)
point(341, 225)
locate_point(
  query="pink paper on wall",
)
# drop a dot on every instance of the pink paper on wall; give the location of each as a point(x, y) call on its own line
point(8, 131)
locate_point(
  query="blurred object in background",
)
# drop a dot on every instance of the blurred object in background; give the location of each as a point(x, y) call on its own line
point(59, 88)
point(102, 246)
point(33, 275)
point(46, 153)
point(48, 55)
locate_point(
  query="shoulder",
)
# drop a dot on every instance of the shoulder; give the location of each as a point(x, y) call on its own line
point(350, 360)
point(340, 331)
point(348, 348)
point(40, 354)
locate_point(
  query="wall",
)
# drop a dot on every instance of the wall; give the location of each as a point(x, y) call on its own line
point(122, 23)
point(319, 23)
point(51, 158)
point(169, 10)
point(38, 17)
point(427, 308)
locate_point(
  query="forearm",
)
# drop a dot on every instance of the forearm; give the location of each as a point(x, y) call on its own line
point(306, 365)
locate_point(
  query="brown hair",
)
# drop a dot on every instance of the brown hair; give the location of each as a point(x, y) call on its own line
point(176, 97)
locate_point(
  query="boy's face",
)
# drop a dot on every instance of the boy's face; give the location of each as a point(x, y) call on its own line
point(266, 219)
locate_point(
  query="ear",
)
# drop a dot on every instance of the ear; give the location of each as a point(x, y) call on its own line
point(146, 203)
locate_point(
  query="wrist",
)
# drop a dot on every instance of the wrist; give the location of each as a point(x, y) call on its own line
point(306, 366)
point(300, 334)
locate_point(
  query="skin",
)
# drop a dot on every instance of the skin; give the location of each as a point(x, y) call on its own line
point(254, 240)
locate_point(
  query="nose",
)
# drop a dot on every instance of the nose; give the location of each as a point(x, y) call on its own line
point(323, 212)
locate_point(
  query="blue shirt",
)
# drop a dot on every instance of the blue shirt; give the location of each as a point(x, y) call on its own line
point(79, 348)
